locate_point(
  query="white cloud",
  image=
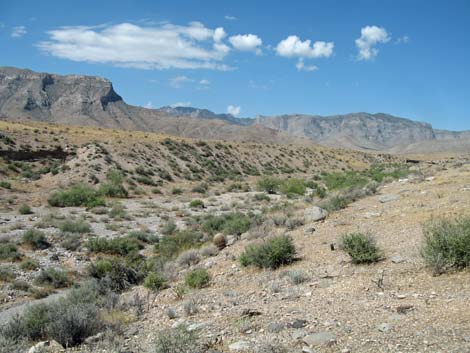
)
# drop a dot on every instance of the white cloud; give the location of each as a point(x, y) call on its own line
point(403, 40)
point(293, 46)
point(179, 81)
point(204, 82)
point(18, 32)
point(149, 105)
point(246, 42)
point(180, 104)
point(302, 67)
point(370, 36)
point(160, 46)
point(234, 110)
point(230, 18)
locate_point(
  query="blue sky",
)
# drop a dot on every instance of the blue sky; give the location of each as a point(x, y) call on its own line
point(407, 58)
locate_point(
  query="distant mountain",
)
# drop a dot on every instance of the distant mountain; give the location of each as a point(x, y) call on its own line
point(89, 100)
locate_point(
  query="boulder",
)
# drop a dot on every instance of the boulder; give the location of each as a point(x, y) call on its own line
point(319, 338)
point(315, 214)
point(47, 347)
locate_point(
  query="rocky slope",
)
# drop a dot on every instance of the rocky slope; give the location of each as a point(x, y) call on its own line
point(92, 101)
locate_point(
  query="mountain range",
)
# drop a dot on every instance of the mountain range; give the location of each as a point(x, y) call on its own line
point(92, 101)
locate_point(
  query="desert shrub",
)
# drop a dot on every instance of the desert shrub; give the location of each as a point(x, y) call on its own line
point(29, 264)
point(361, 247)
point(113, 186)
point(447, 244)
point(262, 197)
point(209, 250)
point(198, 278)
point(115, 246)
point(9, 251)
point(68, 320)
point(52, 277)
point(176, 191)
point(271, 185)
point(77, 195)
point(118, 210)
point(196, 204)
point(177, 340)
point(35, 238)
point(7, 274)
point(71, 242)
point(188, 258)
point(230, 223)
point(344, 180)
point(201, 188)
point(5, 184)
point(25, 209)
point(171, 245)
point(143, 236)
point(168, 228)
point(79, 227)
point(273, 253)
point(113, 274)
point(296, 276)
point(335, 203)
point(20, 285)
point(155, 281)
point(293, 187)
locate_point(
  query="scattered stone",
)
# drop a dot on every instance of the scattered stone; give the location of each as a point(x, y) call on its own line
point(298, 323)
point(384, 327)
point(196, 326)
point(275, 327)
point(315, 214)
point(388, 198)
point(230, 240)
point(240, 346)
point(94, 338)
point(298, 334)
point(319, 338)
point(250, 313)
point(307, 350)
point(309, 231)
point(372, 214)
point(397, 259)
point(403, 309)
point(47, 347)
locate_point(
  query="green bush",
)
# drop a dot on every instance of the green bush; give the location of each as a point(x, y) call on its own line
point(196, 204)
point(7, 274)
point(36, 239)
point(25, 209)
point(177, 340)
point(170, 246)
point(115, 246)
point(29, 264)
point(293, 187)
point(52, 277)
point(344, 180)
point(77, 195)
point(176, 191)
point(9, 251)
point(155, 281)
point(169, 228)
point(198, 278)
point(447, 244)
point(5, 184)
point(113, 274)
point(71, 242)
point(268, 184)
point(230, 223)
point(362, 248)
point(113, 186)
point(273, 253)
point(68, 320)
point(79, 227)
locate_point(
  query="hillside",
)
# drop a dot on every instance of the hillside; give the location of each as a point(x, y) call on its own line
point(92, 101)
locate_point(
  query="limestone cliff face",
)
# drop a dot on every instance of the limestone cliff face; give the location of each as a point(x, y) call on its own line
point(88, 100)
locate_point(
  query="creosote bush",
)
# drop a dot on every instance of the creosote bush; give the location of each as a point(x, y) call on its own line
point(52, 277)
point(36, 239)
point(447, 244)
point(77, 195)
point(25, 209)
point(196, 204)
point(361, 247)
point(79, 227)
point(155, 281)
point(198, 278)
point(272, 253)
point(9, 251)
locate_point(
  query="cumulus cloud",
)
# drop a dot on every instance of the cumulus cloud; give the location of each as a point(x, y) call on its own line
point(246, 42)
point(179, 81)
point(180, 104)
point(18, 32)
point(160, 46)
point(302, 67)
point(370, 37)
point(234, 110)
point(293, 46)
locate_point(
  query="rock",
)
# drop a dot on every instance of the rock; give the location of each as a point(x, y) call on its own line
point(47, 347)
point(388, 198)
point(275, 327)
point(372, 214)
point(196, 326)
point(319, 338)
point(314, 214)
point(397, 259)
point(309, 231)
point(95, 338)
point(298, 323)
point(230, 240)
point(384, 327)
point(239, 346)
point(403, 309)
point(307, 350)
point(298, 334)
